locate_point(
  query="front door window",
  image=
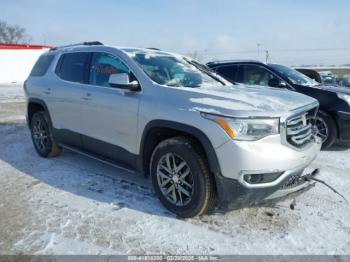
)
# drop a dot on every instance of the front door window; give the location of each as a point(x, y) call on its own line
point(256, 75)
point(102, 66)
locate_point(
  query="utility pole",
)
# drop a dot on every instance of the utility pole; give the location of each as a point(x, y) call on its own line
point(267, 56)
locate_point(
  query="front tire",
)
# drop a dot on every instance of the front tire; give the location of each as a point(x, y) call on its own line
point(181, 177)
point(41, 132)
point(326, 129)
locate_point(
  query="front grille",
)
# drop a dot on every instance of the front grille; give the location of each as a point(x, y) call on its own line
point(299, 129)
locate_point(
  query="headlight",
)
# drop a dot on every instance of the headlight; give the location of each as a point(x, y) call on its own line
point(345, 97)
point(248, 129)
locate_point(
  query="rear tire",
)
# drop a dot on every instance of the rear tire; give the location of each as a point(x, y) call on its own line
point(326, 128)
point(41, 132)
point(181, 177)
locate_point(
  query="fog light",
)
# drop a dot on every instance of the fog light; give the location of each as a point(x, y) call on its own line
point(253, 179)
point(261, 178)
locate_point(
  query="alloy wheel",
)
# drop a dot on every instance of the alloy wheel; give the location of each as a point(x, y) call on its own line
point(175, 179)
point(40, 135)
point(322, 129)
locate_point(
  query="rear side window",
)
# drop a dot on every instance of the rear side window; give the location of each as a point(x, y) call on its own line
point(41, 66)
point(72, 67)
point(228, 72)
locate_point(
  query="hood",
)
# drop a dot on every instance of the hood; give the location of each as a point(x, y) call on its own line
point(243, 101)
point(335, 89)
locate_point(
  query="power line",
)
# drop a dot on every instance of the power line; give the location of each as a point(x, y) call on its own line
point(281, 50)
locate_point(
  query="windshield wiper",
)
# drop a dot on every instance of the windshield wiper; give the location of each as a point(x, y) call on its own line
point(192, 86)
point(205, 70)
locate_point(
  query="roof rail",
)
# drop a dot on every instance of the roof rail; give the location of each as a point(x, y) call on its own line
point(78, 44)
point(218, 62)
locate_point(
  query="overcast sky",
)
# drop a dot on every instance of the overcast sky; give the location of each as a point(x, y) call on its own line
point(294, 31)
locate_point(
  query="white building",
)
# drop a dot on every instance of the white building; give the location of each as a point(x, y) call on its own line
point(16, 61)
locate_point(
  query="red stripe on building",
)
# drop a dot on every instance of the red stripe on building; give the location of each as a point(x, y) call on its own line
point(22, 47)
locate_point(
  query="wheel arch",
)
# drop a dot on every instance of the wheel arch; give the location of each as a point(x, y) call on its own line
point(158, 130)
point(332, 115)
point(35, 105)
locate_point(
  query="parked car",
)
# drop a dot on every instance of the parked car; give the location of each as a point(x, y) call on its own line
point(345, 81)
point(204, 142)
point(333, 118)
point(328, 78)
point(313, 74)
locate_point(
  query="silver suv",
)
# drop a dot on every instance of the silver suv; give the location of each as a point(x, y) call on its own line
point(205, 142)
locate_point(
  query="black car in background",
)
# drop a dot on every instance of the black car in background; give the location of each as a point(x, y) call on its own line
point(333, 119)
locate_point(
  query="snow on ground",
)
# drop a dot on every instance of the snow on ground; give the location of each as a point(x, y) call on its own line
point(74, 205)
point(11, 93)
point(12, 105)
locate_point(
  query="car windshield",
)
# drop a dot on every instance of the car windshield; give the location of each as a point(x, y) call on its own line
point(171, 70)
point(294, 76)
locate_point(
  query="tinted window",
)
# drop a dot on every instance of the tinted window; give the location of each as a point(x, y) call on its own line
point(311, 74)
point(71, 67)
point(293, 75)
point(102, 66)
point(228, 72)
point(41, 66)
point(256, 75)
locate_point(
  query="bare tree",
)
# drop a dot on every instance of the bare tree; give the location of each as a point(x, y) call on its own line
point(13, 34)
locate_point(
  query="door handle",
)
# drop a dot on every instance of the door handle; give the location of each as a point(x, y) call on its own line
point(87, 97)
point(47, 91)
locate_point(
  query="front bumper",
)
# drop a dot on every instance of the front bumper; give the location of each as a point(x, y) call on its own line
point(265, 156)
point(343, 121)
point(232, 195)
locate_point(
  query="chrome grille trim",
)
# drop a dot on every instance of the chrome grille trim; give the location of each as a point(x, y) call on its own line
point(301, 139)
point(294, 121)
point(297, 129)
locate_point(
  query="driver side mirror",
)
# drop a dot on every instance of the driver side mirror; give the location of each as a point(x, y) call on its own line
point(122, 81)
point(276, 82)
